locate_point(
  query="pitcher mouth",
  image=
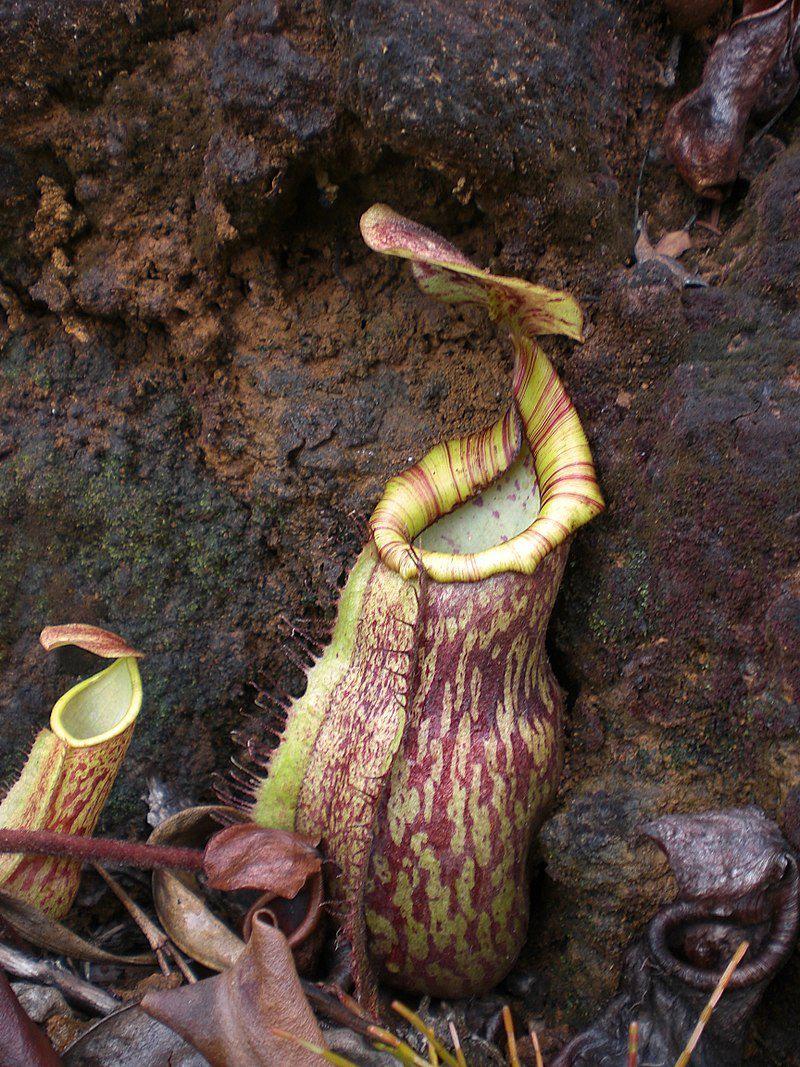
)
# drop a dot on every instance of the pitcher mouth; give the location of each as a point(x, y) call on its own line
point(491, 518)
point(541, 509)
point(101, 707)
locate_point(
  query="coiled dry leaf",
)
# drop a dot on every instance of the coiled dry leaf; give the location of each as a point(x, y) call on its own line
point(751, 70)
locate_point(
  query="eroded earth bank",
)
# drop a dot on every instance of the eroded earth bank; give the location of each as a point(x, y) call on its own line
point(206, 378)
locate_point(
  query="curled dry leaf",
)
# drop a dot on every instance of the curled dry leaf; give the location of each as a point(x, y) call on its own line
point(230, 1018)
point(284, 867)
point(40, 930)
point(90, 638)
point(256, 857)
point(21, 1040)
point(674, 243)
point(739, 892)
point(646, 252)
point(299, 919)
point(131, 1038)
point(751, 69)
point(721, 854)
point(179, 901)
point(289, 868)
point(782, 81)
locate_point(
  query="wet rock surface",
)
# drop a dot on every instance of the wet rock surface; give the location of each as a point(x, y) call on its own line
point(205, 379)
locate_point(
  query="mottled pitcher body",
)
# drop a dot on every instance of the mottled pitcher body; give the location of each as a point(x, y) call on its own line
point(447, 897)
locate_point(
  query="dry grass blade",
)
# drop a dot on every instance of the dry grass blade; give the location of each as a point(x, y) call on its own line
point(713, 1000)
point(394, 1053)
point(309, 1046)
point(403, 1054)
point(508, 1022)
point(457, 1046)
point(536, 1048)
point(435, 1046)
point(633, 1045)
point(388, 1042)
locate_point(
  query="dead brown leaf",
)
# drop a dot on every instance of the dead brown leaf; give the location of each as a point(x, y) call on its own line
point(91, 638)
point(178, 898)
point(40, 930)
point(645, 252)
point(230, 1018)
point(191, 924)
point(752, 68)
point(284, 867)
point(255, 857)
point(21, 1040)
point(131, 1038)
point(674, 243)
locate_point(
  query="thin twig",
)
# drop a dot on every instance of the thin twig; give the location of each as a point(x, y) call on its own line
point(110, 932)
point(334, 1009)
point(349, 1002)
point(638, 196)
point(156, 938)
point(309, 1046)
point(76, 990)
point(159, 942)
point(768, 125)
point(182, 963)
point(713, 1000)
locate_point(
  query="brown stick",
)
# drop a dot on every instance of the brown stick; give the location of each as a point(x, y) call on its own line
point(103, 850)
point(156, 938)
point(332, 1008)
point(80, 993)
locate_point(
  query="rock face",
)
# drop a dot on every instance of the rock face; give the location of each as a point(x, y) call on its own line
point(205, 379)
point(517, 101)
